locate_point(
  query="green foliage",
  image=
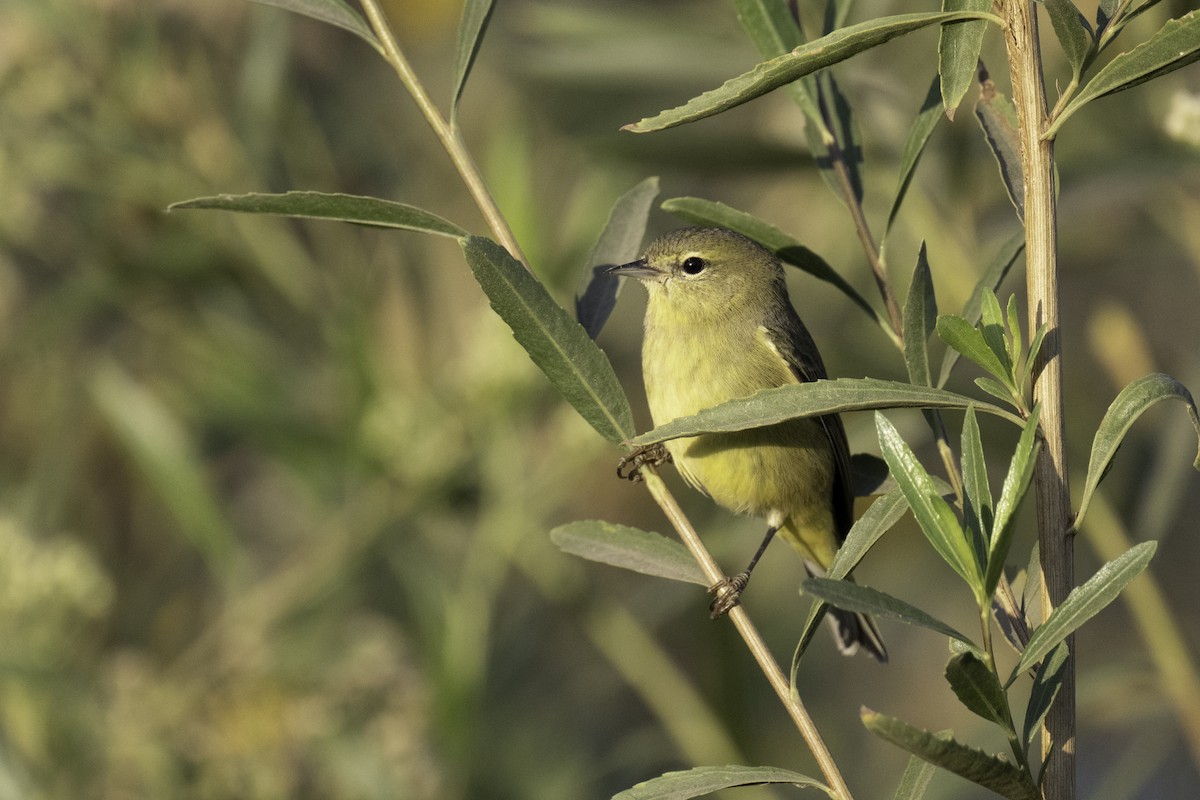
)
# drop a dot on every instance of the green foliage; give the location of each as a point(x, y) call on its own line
point(706, 780)
point(629, 548)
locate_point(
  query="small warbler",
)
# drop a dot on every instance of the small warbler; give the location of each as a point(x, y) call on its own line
point(719, 326)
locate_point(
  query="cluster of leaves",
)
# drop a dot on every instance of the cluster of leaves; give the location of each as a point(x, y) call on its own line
point(973, 531)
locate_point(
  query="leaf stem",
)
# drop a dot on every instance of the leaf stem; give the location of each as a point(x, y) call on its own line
point(447, 133)
point(750, 635)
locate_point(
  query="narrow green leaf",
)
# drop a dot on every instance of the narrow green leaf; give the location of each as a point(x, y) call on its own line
point(334, 12)
point(1131, 403)
point(708, 212)
point(1072, 30)
point(619, 243)
point(813, 399)
point(1046, 684)
point(1015, 342)
point(845, 143)
point(803, 60)
point(1084, 602)
point(337, 207)
point(991, 279)
point(915, 780)
point(969, 341)
point(975, 765)
point(932, 513)
point(977, 688)
point(995, 389)
point(998, 118)
point(1035, 347)
point(1032, 590)
point(958, 52)
point(863, 599)
point(1175, 45)
point(1016, 484)
point(475, 16)
point(920, 318)
point(991, 325)
point(918, 136)
point(629, 548)
point(700, 781)
point(977, 503)
point(774, 32)
point(556, 343)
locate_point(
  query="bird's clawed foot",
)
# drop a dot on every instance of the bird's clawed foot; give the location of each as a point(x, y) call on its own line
point(728, 593)
point(629, 468)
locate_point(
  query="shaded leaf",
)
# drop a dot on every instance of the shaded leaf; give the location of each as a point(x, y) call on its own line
point(915, 779)
point(774, 31)
point(1016, 484)
point(1175, 45)
point(1131, 403)
point(1084, 602)
point(629, 548)
point(968, 340)
point(998, 119)
point(706, 780)
point(619, 243)
point(1046, 684)
point(811, 400)
point(977, 500)
point(337, 207)
point(334, 12)
point(932, 513)
point(556, 343)
point(863, 599)
point(803, 60)
point(1072, 30)
point(975, 765)
point(918, 136)
point(958, 52)
point(839, 140)
point(920, 318)
point(977, 688)
point(475, 16)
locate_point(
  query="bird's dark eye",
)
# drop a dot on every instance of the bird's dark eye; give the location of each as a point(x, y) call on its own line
point(694, 265)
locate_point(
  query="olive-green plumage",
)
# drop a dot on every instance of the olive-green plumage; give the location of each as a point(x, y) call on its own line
point(719, 326)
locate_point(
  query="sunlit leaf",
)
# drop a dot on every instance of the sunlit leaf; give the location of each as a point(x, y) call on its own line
point(977, 688)
point(334, 12)
point(1175, 45)
point(1016, 484)
point(475, 16)
point(1131, 403)
point(700, 781)
point(975, 765)
point(812, 399)
point(1046, 684)
point(770, 25)
point(337, 207)
point(806, 59)
point(557, 344)
point(958, 52)
point(1084, 602)
point(1072, 30)
point(863, 599)
point(920, 318)
point(629, 548)
point(619, 243)
point(977, 500)
point(969, 340)
point(998, 119)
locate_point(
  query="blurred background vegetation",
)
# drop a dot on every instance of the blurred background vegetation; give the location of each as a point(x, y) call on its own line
point(274, 497)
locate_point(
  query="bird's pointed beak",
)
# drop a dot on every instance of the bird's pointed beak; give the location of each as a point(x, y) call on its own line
point(635, 269)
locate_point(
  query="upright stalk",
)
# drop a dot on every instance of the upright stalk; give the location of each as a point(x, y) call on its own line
point(1053, 494)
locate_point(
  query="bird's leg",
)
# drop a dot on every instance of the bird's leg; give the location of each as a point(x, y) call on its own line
point(728, 591)
point(629, 468)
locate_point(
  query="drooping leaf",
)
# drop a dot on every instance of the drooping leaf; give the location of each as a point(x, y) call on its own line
point(475, 16)
point(334, 12)
point(1016, 484)
point(813, 400)
point(975, 765)
point(1046, 684)
point(970, 342)
point(918, 136)
point(619, 243)
point(700, 781)
point(629, 548)
point(1073, 32)
point(920, 318)
point(852, 597)
point(1084, 602)
point(977, 499)
point(958, 52)
point(977, 688)
point(557, 344)
point(1130, 404)
point(991, 279)
point(915, 780)
point(803, 60)
point(338, 207)
point(1175, 45)
point(933, 514)
point(998, 119)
